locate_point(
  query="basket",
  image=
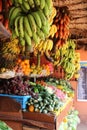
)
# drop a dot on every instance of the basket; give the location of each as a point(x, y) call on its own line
point(21, 99)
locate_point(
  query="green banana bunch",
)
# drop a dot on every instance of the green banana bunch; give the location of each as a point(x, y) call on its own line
point(32, 23)
point(37, 19)
point(42, 16)
point(37, 3)
point(42, 4)
point(31, 3)
point(25, 6)
point(17, 2)
point(13, 13)
point(28, 20)
point(46, 11)
point(27, 26)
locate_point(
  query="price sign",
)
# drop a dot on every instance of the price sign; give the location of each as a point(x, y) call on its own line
point(82, 82)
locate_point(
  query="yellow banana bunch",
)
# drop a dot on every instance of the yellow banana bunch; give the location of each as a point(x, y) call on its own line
point(44, 45)
point(53, 30)
point(49, 45)
point(10, 49)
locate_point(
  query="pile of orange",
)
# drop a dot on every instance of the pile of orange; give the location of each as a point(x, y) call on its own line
point(24, 65)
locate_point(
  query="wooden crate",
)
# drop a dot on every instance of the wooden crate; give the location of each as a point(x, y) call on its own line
point(47, 121)
point(4, 116)
point(10, 111)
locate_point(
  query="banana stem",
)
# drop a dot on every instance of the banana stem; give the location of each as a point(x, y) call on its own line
point(38, 59)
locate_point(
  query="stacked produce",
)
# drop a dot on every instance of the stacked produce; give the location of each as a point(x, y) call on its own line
point(52, 95)
point(61, 84)
point(29, 20)
point(16, 86)
point(22, 67)
point(71, 121)
point(46, 95)
point(43, 70)
point(47, 101)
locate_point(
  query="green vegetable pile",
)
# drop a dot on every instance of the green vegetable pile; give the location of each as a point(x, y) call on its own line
point(62, 84)
point(45, 102)
point(4, 126)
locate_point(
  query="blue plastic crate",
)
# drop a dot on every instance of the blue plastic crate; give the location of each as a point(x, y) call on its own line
point(21, 99)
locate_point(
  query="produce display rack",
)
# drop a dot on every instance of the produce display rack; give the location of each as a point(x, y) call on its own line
point(33, 120)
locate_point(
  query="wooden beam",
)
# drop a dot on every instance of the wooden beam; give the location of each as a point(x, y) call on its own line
point(82, 20)
point(81, 26)
point(68, 2)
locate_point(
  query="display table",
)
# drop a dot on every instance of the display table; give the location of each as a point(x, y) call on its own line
point(47, 121)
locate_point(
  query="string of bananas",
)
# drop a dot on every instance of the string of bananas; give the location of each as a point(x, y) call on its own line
point(10, 50)
point(43, 46)
point(29, 4)
point(68, 59)
point(29, 20)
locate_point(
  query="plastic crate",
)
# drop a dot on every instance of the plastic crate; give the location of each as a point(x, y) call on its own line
point(21, 99)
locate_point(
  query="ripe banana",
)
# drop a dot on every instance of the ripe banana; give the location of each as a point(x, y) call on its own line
point(27, 26)
point(53, 30)
point(37, 19)
point(49, 44)
point(40, 46)
point(32, 23)
point(45, 44)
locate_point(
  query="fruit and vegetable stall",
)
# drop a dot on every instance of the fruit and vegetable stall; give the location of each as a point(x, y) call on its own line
point(38, 59)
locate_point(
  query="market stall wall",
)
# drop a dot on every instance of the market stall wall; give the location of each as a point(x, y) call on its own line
point(81, 106)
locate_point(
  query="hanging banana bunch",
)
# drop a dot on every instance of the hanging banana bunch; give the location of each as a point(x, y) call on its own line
point(29, 20)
